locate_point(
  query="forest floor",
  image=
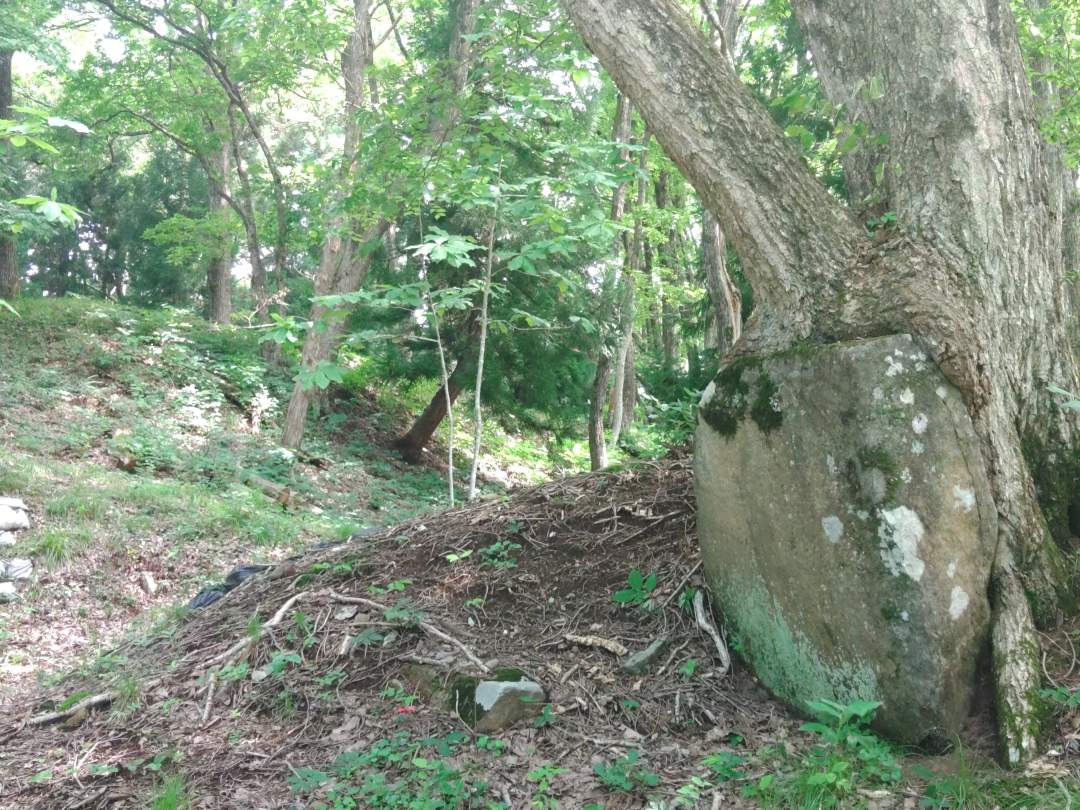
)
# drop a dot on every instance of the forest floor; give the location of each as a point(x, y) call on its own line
point(316, 684)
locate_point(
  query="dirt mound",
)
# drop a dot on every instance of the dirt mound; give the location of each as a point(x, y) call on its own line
point(252, 701)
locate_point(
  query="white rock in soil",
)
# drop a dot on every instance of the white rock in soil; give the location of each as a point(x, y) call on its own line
point(7, 538)
point(16, 569)
point(13, 518)
point(8, 592)
point(14, 503)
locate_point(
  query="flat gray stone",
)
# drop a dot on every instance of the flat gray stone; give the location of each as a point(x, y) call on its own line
point(13, 518)
point(847, 529)
point(7, 538)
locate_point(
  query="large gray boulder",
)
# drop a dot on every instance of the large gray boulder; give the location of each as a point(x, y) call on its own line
point(848, 529)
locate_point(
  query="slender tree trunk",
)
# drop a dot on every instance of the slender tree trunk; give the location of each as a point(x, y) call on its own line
point(10, 274)
point(974, 270)
point(478, 414)
point(627, 310)
point(218, 275)
point(246, 205)
point(630, 386)
point(343, 267)
point(724, 295)
point(621, 132)
point(597, 444)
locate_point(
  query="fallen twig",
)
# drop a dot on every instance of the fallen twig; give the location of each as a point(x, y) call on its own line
point(243, 644)
point(679, 587)
point(612, 646)
point(100, 699)
point(427, 627)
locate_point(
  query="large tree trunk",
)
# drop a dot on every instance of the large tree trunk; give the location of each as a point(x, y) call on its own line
point(10, 275)
point(412, 444)
point(974, 271)
point(218, 275)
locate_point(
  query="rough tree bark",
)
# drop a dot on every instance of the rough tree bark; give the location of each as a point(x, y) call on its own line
point(598, 458)
point(10, 276)
point(974, 271)
point(218, 278)
point(724, 295)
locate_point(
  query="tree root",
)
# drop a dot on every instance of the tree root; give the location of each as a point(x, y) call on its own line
point(1016, 666)
point(428, 628)
point(87, 703)
point(705, 622)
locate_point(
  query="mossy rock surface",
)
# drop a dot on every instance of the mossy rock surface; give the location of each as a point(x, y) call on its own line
point(848, 536)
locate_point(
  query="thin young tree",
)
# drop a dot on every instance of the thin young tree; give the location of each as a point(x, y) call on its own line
point(478, 413)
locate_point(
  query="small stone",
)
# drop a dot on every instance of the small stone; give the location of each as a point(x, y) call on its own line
point(345, 612)
point(7, 538)
point(502, 704)
point(148, 583)
point(8, 592)
point(642, 661)
point(16, 569)
point(13, 518)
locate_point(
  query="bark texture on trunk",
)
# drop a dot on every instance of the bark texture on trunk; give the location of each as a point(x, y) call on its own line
point(218, 277)
point(974, 269)
point(412, 444)
point(627, 302)
point(597, 442)
point(10, 275)
point(724, 295)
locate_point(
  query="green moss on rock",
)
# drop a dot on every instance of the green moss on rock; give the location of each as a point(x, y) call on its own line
point(785, 660)
point(742, 388)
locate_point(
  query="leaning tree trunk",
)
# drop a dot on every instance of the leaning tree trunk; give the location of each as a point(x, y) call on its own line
point(218, 277)
point(973, 272)
point(9, 265)
point(412, 444)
